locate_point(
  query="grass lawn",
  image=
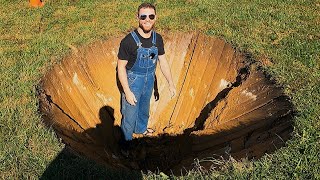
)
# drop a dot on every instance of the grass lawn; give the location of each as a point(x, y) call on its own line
point(32, 40)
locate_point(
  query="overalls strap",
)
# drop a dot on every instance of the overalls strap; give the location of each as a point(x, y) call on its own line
point(136, 38)
point(154, 38)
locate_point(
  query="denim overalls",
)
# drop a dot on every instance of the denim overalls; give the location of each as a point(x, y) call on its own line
point(141, 82)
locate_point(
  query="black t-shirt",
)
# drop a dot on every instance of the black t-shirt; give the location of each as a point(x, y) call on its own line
point(128, 47)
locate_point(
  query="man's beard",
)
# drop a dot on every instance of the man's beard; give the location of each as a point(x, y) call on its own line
point(145, 30)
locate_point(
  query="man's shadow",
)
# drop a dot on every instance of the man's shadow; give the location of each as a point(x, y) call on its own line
point(69, 164)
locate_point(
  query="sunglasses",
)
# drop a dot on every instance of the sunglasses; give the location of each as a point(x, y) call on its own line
point(144, 16)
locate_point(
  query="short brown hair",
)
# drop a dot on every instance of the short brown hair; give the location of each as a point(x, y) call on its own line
point(147, 5)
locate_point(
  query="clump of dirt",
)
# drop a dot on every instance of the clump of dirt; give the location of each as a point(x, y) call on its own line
point(226, 106)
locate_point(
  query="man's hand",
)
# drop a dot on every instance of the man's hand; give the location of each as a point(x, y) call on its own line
point(172, 90)
point(156, 95)
point(122, 73)
point(164, 66)
point(131, 98)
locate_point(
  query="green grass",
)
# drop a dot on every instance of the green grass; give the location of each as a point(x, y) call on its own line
point(31, 40)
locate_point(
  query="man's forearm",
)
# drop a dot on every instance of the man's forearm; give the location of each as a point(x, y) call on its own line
point(122, 74)
point(165, 69)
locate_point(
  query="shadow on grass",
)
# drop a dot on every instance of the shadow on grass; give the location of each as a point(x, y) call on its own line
point(67, 165)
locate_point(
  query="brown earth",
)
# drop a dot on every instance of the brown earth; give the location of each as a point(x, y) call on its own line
point(225, 106)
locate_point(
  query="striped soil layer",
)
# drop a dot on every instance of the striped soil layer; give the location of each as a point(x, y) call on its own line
point(225, 106)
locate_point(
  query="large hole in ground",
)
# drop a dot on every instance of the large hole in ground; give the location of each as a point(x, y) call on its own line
point(226, 105)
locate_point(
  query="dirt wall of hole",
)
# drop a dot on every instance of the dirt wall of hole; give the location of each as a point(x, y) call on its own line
point(225, 105)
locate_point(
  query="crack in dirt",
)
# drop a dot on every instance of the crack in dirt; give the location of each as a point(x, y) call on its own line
point(200, 120)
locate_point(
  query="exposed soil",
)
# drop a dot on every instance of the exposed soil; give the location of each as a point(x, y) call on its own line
point(226, 106)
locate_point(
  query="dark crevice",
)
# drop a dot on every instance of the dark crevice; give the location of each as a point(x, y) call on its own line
point(243, 74)
point(48, 98)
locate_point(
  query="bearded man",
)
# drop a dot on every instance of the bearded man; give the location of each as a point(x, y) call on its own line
point(139, 53)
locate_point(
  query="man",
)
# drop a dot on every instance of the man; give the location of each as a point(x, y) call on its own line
point(138, 55)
